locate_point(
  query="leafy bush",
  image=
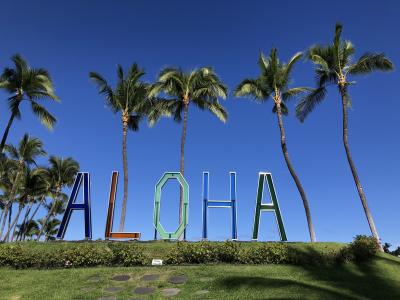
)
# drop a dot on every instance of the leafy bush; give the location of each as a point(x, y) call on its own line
point(128, 254)
point(24, 255)
point(192, 253)
point(363, 248)
point(88, 254)
point(265, 253)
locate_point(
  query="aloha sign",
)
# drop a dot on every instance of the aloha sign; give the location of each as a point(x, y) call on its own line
point(82, 181)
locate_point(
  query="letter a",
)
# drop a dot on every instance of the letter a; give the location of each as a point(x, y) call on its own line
point(273, 206)
point(72, 206)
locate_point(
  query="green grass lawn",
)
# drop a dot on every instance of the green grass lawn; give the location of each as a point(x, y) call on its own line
point(378, 279)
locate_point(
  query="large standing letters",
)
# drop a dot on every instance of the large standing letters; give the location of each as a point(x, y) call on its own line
point(219, 203)
point(72, 206)
point(157, 201)
point(109, 234)
point(273, 206)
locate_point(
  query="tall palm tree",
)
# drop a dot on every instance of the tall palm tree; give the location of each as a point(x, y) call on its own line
point(30, 229)
point(30, 84)
point(34, 186)
point(130, 99)
point(61, 173)
point(28, 150)
point(334, 64)
point(202, 87)
point(50, 229)
point(273, 82)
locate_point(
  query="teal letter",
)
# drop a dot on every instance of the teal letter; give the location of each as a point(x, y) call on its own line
point(157, 199)
point(273, 206)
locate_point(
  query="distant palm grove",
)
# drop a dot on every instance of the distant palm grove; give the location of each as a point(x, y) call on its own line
point(29, 189)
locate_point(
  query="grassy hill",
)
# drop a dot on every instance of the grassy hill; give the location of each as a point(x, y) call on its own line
point(376, 279)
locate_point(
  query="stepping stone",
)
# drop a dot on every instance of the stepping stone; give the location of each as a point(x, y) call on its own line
point(177, 279)
point(201, 292)
point(94, 279)
point(107, 298)
point(121, 277)
point(88, 289)
point(150, 277)
point(113, 289)
point(170, 292)
point(206, 279)
point(142, 290)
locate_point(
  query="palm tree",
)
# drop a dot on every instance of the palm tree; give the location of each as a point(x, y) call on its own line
point(30, 229)
point(130, 99)
point(34, 186)
point(29, 148)
point(61, 173)
point(50, 229)
point(30, 84)
point(274, 82)
point(334, 64)
point(202, 87)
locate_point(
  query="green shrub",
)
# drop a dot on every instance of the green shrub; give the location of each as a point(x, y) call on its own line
point(86, 255)
point(228, 252)
point(128, 254)
point(363, 248)
point(22, 255)
point(265, 253)
point(192, 253)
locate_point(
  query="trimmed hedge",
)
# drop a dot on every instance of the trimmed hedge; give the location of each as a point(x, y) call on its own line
point(90, 254)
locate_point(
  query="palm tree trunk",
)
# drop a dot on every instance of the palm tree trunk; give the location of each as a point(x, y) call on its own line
point(58, 190)
point(14, 222)
point(33, 215)
point(357, 181)
point(125, 166)
point(5, 134)
point(23, 224)
point(294, 175)
point(9, 218)
point(2, 214)
point(182, 165)
point(6, 211)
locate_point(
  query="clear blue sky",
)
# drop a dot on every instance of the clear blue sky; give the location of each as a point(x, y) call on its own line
point(71, 38)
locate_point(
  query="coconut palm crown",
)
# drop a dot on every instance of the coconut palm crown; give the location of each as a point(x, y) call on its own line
point(335, 65)
point(129, 98)
point(202, 87)
point(24, 83)
point(273, 82)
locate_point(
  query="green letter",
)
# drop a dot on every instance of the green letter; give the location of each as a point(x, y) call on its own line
point(273, 206)
point(157, 198)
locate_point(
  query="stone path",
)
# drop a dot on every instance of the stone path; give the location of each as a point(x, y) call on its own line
point(113, 289)
point(121, 277)
point(170, 292)
point(150, 277)
point(201, 292)
point(180, 279)
point(146, 280)
point(142, 290)
point(94, 279)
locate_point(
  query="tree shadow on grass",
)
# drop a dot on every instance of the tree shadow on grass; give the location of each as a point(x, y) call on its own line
point(368, 280)
point(285, 288)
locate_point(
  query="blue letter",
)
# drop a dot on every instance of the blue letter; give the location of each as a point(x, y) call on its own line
point(85, 206)
point(219, 203)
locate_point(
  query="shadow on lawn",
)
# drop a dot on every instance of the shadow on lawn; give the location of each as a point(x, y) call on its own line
point(364, 280)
